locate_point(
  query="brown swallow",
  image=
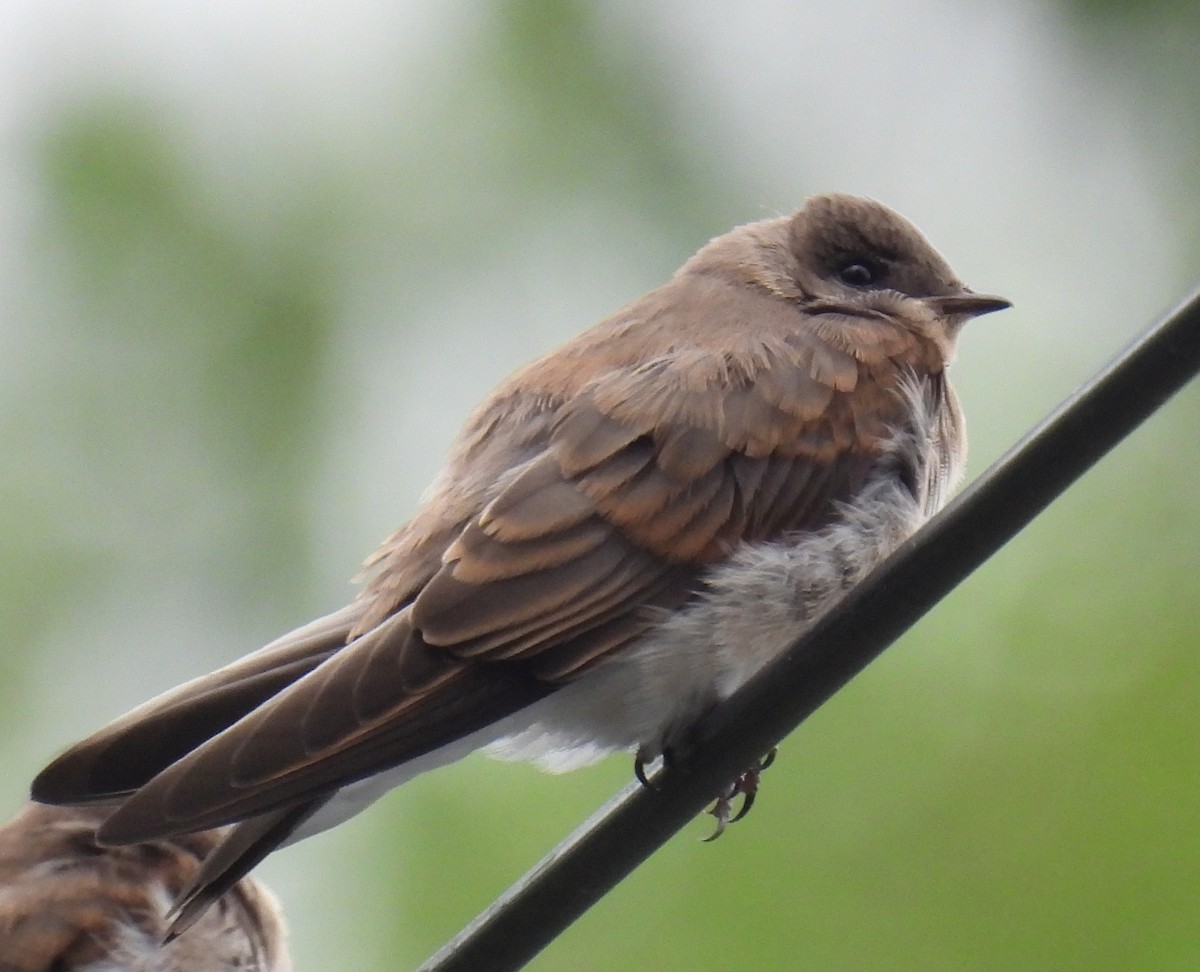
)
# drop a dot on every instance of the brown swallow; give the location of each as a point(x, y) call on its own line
point(69, 905)
point(625, 531)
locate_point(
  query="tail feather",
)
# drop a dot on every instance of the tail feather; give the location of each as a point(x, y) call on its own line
point(232, 859)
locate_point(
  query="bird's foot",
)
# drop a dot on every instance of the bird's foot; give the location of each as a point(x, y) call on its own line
point(745, 786)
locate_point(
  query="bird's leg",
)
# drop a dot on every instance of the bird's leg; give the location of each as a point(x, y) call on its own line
point(746, 786)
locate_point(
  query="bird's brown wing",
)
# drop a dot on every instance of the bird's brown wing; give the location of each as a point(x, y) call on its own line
point(650, 474)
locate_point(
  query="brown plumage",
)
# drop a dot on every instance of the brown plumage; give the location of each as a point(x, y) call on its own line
point(69, 905)
point(623, 533)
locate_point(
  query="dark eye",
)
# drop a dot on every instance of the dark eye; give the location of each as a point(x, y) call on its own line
point(857, 275)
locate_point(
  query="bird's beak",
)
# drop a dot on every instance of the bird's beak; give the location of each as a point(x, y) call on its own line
point(967, 304)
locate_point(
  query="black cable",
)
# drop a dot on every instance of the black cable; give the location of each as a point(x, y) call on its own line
point(618, 837)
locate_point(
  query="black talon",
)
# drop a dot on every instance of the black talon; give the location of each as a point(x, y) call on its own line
point(720, 810)
point(747, 785)
point(747, 803)
point(639, 770)
point(639, 766)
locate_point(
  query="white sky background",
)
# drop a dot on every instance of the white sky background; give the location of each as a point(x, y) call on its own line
point(1022, 160)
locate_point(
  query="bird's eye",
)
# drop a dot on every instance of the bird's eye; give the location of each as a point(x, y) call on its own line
point(857, 275)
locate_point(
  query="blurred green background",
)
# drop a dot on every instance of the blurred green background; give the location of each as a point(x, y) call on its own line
point(257, 262)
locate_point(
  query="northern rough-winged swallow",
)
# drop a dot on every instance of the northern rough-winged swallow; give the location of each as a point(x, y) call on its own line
point(69, 905)
point(625, 531)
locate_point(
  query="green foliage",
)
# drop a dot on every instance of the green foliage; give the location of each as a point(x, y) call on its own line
point(216, 329)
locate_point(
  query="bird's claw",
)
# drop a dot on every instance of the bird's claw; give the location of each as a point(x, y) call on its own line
point(639, 770)
point(745, 786)
point(639, 766)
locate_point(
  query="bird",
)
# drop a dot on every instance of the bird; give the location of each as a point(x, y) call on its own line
point(623, 533)
point(69, 905)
